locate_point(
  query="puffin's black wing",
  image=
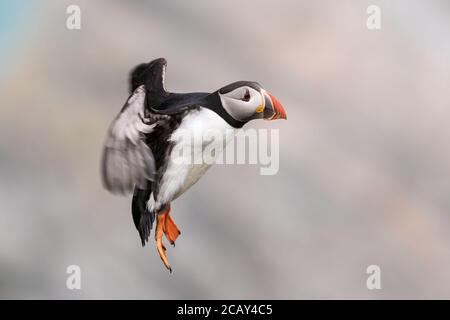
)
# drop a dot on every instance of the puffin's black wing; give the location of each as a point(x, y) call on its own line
point(127, 160)
point(160, 101)
point(151, 75)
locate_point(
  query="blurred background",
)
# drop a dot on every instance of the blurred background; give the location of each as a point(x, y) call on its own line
point(364, 157)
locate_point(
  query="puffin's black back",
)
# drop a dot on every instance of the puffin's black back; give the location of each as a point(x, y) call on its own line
point(159, 101)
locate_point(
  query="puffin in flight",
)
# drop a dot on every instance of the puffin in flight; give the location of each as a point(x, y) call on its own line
point(138, 150)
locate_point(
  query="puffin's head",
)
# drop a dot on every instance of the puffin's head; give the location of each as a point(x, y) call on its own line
point(247, 100)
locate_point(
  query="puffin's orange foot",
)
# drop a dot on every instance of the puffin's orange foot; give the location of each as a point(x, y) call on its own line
point(160, 222)
point(170, 228)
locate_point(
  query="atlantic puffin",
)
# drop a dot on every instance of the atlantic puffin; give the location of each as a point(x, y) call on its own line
point(138, 147)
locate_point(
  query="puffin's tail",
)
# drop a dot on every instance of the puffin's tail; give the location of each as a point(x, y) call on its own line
point(142, 217)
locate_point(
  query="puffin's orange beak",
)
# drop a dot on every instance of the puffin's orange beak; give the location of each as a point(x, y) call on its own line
point(273, 109)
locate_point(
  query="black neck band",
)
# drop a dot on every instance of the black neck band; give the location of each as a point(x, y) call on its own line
point(212, 102)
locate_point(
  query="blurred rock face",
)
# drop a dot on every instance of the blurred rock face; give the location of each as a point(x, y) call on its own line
point(364, 160)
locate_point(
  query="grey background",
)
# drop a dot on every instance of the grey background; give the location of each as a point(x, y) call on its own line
point(364, 156)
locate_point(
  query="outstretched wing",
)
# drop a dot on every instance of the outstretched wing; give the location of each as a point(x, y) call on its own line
point(160, 101)
point(151, 75)
point(127, 160)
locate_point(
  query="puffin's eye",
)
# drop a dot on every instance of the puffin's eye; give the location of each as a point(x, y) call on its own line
point(246, 96)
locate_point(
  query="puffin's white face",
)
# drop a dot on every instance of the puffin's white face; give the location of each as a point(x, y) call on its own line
point(243, 103)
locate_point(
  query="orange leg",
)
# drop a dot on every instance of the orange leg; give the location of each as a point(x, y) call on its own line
point(160, 222)
point(170, 228)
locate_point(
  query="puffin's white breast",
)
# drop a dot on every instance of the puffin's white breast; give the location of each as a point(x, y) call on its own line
point(178, 176)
